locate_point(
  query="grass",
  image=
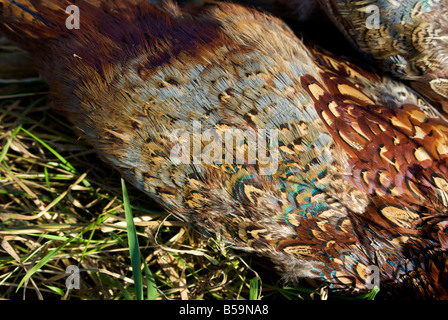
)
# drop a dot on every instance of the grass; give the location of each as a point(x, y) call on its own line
point(61, 207)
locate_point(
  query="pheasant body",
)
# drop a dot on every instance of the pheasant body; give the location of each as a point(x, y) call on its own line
point(359, 177)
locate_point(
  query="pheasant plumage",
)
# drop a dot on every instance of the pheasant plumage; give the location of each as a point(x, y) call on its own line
point(408, 39)
point(352, 171)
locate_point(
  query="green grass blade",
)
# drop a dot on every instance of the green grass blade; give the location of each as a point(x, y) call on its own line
point(39, 265)
point(8, 142)
point(133, 244)
point(59, 291)
point(254, 289)
point(372, 294)
point(67, 164)
point(151, 293)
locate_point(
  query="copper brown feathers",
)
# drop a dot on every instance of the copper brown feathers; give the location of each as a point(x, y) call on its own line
point(227, 119)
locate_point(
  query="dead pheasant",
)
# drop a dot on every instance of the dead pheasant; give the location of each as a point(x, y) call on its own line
point(349, 169)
